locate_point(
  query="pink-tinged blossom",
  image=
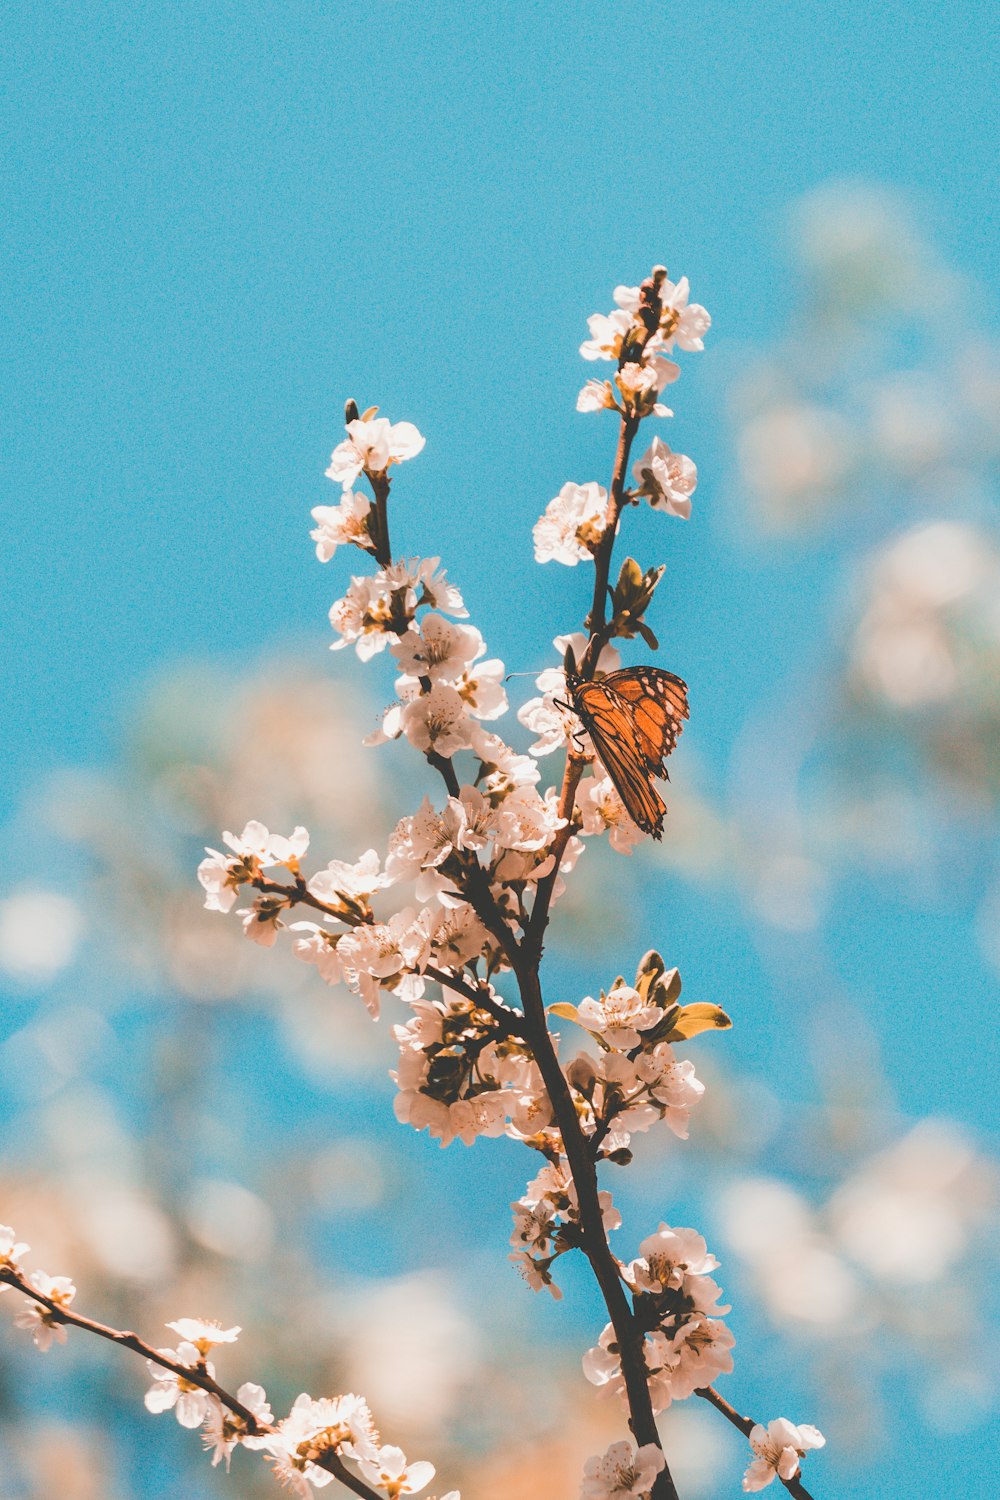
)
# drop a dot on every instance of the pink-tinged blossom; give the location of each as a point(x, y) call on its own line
point(172, 1392)
point(11, 1251)
point(379, 951)
point(342, 1425)
point(371, 446)
point(224, 1430)
point(666, 479)
point(597, 395)
point(603, 811)
point(699, 1353)
point(44, 1324)
point(342, 525)
point(779, 1449)
point(438, 649)
point(573, 524)
point(343, 884)
point(682, 322)
point(672, 1084)
point(619, 1016)
point(606, 334)
point(436, 722)
point(641, 384)
point(622, 1473)
point(390, 1472)
point(262, 921)
point(671, 1256)
point(318, 947)
point(364, 617)
point(205, 1336)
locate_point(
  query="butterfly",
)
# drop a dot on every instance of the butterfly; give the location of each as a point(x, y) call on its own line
point(633, 717)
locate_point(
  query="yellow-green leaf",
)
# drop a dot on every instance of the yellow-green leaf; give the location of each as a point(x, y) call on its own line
point(692, 1019)
point(564, 1009)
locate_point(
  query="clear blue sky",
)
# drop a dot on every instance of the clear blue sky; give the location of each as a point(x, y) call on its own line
point(223, 219)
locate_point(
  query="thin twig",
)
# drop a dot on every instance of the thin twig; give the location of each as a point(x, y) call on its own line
point(794, 1486)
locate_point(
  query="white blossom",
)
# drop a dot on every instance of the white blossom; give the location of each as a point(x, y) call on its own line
point(481, 689)
point(44, 1325)
point(436, 722)
point(204, 1335)
point(536, 1273)
point(371, 446)
point(622, 1473)
point(641, 384)
point(682, 322)
point(779, 1447)
point(342, 525)
point(374, 952)
point(364, 617)
point(603, 811)
point(172, 1392)
point(341, 1424)
point(619, 1016)
point(10, 1251)
point(342, 883)
point(606, 334)
point(699, 1354)
point(391, 1473)
point(671, 1256)
point(667, 479)
point(596, 395)
point(318, 948)
point(223, 1429)
point(573, 524)
point(438, 649)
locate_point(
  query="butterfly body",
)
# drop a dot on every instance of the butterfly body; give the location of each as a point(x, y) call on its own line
point(633, 717)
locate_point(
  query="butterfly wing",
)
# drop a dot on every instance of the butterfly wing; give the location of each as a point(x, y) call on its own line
point(659, 705)
point(609, 719)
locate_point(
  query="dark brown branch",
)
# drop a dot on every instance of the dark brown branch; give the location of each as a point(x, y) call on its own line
point(594, 1241)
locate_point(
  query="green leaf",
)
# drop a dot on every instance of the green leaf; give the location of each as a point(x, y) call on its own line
point(647, 635)
point(565, 1010)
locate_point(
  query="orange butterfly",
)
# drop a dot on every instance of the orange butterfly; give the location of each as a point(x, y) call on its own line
point(633, 718)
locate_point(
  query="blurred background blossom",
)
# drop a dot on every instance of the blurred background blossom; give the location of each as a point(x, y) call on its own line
point(191, 1126)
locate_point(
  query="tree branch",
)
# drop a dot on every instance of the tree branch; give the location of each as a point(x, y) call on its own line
point(794, 1486)
point(196, 1375)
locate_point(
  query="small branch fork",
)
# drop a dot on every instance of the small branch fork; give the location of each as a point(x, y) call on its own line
point(196, 1375)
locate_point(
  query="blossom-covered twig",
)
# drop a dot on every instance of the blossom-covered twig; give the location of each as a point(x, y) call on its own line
point(792, 1483)
point(299, 1451)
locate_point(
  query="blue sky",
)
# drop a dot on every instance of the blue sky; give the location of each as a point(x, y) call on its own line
point(223, 220)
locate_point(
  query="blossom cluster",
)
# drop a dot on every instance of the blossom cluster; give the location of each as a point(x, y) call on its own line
point(686, 1343)
point(638, 338)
